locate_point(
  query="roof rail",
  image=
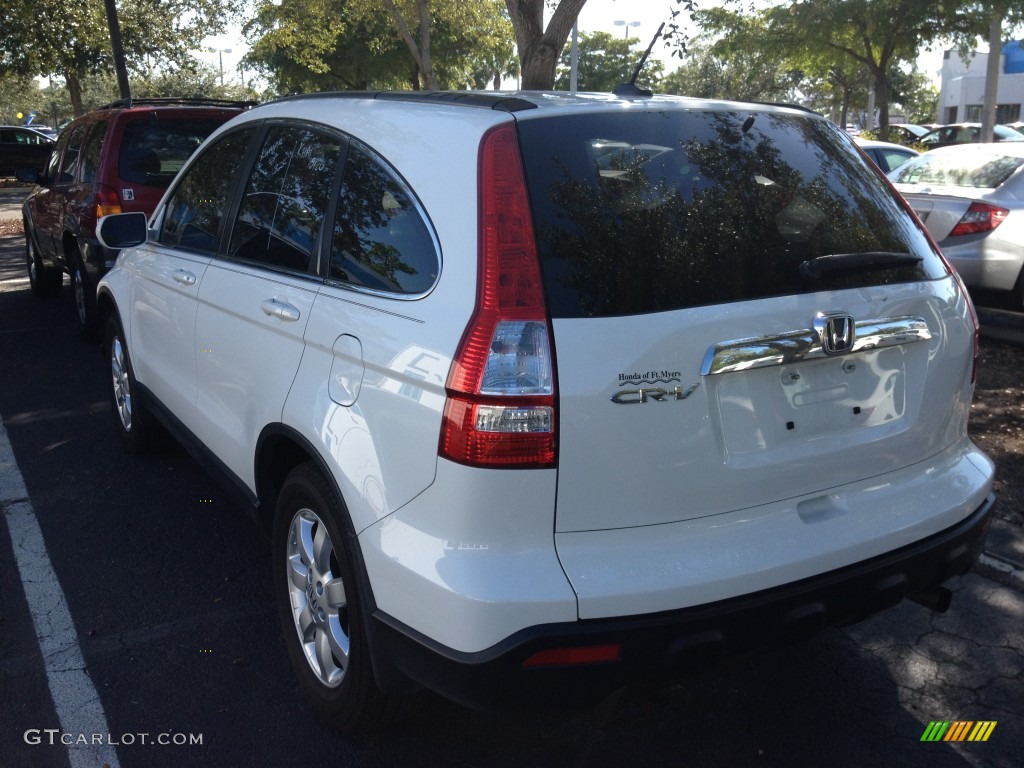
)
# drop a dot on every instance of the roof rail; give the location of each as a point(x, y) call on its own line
point(501, 102)
point(184, 101)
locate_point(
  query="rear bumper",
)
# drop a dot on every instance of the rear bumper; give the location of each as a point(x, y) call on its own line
point(658, 645)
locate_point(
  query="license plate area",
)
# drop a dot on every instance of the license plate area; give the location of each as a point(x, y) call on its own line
point(765, 408)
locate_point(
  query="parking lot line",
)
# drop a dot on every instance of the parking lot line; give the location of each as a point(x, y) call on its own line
point(83, 723)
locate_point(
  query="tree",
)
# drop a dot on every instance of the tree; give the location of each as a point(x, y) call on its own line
point(606, 61)
point(364, 43)
point(71, 39)
point(345, 50)
point(735, 58)
point(880, 35)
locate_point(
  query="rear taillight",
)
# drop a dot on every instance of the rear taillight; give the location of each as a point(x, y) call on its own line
point(980, 217)
point(107, 202)
point(500, 410)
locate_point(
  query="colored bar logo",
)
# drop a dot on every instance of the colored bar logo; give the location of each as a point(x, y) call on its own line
point(959, 730)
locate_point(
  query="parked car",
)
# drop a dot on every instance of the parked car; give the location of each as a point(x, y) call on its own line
point(884, 154)
point(906, 133)
point(118, 158)
point(542, 393)
point(966, 133)
point(971, 198)
point(21, 146)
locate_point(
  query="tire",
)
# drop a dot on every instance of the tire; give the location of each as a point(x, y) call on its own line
point(85, 300)
point(135, 426)
point(320, 606)
point(44, 281)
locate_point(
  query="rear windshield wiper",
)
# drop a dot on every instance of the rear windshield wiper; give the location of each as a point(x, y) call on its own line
point(867, 261)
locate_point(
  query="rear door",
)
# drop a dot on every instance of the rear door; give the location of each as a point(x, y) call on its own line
point(255, 301)
point(741, 314)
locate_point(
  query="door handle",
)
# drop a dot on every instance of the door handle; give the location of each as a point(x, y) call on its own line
point(280, 310)
point(184, 277)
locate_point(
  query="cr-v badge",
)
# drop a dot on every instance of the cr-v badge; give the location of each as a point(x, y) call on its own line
point(660, 394)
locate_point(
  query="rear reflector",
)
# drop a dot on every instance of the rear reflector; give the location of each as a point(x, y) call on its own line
point(569, 657)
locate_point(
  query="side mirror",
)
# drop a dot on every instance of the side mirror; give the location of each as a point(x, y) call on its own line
point(122, 230)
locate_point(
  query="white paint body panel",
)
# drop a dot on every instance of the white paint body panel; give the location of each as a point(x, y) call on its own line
point(471, 560)
point(160, 309)
point(678, 565)
point(750, 437)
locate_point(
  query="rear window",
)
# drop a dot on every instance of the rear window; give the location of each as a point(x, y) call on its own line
point(641, 212)
point(959, 169)
point(154, 149)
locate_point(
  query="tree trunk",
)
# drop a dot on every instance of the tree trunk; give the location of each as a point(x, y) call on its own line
point(75, 92)
point(420, 51)
point(882, 100)
point(539, 48)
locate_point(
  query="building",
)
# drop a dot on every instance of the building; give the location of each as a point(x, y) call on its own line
point(962, 87)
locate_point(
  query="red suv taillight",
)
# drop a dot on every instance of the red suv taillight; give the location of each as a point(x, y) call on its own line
point(500, 411)
point(980, 217)
point(107, 202)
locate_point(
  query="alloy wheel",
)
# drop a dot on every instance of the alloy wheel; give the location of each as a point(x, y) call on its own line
point(121, 382)
point(319, 605)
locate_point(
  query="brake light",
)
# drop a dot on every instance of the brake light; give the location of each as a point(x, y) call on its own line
point(980, 217)
point(500, 411)
point(107, 202)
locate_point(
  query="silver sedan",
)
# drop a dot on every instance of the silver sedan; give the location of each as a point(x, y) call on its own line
point(971, 199)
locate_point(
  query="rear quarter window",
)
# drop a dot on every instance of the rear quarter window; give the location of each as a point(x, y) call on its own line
point(650, 211)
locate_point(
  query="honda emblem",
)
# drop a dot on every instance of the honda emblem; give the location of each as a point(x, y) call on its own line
point(837, 333)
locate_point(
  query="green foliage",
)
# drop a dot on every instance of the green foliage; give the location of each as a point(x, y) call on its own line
point(21, 94)
point(356, 44)
point(71, 38)
point(606, 61)
point(55, 37)
point(735, 58)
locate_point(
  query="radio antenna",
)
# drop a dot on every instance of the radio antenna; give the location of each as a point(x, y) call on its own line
point(631, 88)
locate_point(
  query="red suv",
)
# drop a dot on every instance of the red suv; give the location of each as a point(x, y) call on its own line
point(119, 158)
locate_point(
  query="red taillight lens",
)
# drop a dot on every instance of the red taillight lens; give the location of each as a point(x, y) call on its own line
point(980, 217)
point(501, 389)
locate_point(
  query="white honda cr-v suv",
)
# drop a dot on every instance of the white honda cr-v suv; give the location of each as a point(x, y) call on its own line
point(544, 393)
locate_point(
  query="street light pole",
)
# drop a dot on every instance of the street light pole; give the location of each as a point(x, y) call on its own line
point(118, 50)
point(220, 58)
point(626, 24)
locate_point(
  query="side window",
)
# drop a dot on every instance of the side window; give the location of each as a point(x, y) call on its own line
point(58, 151)
point(198, 205)
point(91, 152)
point(380, 238)
point(69, 162)
point(286, 199)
